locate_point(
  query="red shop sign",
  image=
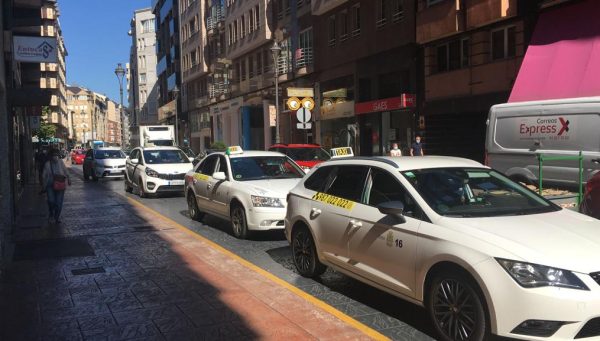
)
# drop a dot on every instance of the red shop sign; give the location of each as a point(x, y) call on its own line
point(388, 104)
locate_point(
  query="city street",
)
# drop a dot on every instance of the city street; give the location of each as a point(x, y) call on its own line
point(392, 317)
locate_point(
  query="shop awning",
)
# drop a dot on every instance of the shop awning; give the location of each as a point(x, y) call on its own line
point(563, 58)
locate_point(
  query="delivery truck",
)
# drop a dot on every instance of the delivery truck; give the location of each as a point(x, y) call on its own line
point(159, 135)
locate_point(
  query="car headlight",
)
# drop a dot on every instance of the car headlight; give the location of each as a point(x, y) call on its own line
point(533, 275)
point(151, 173)
point(265, 201)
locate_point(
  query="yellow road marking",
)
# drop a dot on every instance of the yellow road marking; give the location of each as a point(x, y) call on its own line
point(299, 292)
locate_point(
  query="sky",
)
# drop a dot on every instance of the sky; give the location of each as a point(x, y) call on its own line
point(95, 33)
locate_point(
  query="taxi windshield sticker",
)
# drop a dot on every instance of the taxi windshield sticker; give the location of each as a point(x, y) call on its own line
point(333, 200)
point(201, 177)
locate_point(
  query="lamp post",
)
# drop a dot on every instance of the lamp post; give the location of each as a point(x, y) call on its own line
point(276, 50)
point(120, 73)
point(175, 95)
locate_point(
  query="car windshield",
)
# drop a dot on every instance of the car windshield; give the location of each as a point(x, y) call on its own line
point(153, 157)
point(264, 167)
point(475, 192)
point(308, 154)
point(109, 154)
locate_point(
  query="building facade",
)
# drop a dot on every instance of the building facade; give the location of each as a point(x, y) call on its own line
point(142, 83)
point(95, 117)
point(168, 68)
point(53, 75)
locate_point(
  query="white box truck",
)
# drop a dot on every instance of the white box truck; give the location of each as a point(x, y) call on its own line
point(517, 132)
point(163, 135)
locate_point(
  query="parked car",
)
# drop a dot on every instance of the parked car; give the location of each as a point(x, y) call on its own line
point(305, 155)
point(483, 254)
point(152, 170)
point(104, 163)
point(517, 132)
point(591, 199)
point(248, 188)
point(78, 156)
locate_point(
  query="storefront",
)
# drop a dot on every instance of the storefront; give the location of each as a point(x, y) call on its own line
point(227, 121)
point(384, 122)
point(338, 124)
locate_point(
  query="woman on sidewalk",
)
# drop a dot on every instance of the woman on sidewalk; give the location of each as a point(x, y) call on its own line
point(55, 176)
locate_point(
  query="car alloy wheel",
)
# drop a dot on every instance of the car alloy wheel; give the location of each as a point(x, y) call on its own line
point(305, 255)
point(193, 210)
point(457, 309)
point(238, 222)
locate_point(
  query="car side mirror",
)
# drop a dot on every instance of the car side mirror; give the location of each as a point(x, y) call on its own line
point(191, 159)
point(135, 161)
point(219, 176)
point(395, 208)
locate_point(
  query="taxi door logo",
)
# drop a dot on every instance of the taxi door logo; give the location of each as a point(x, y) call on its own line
point(390, 239)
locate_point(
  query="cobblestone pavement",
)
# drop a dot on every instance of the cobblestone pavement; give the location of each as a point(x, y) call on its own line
point(113, 271)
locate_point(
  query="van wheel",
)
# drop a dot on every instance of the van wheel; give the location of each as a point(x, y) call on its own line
point(305, 254)
point(456, 307)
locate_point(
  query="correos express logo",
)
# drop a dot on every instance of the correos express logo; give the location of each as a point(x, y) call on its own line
point(548, 127)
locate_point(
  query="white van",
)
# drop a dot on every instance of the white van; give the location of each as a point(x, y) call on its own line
point(517, 132)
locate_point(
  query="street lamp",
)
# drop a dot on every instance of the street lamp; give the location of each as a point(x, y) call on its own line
point(120, 73)
point(175, 95)
point(276, 50)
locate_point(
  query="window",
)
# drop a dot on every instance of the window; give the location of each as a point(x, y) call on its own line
point(250, 66)
point(397, 11)
point(318, 181)
point(251, 20)
point(304, 55)
point(332, 31)
point(243, 26)
point(243, 70)
point(266, 61)
point(433, 2)
point(355, 20)
point(453, 55)
point(264, 167)
point(208, 166)
point(142, 78)
point(348, 182)
point(381, 13)
point(259, 65)
point(257, 17)
point(503, 43)
point(384, 187)
point(148, 25)
point(343, 25)
point(223, 165)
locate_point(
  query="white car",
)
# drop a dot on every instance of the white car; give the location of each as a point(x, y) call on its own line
point(482, 253)
point(153, 170)
point(247, 188)
point(104, 163)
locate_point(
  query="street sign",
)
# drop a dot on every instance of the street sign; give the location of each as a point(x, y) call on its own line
point(293, 103)
point(308, 103)
point(304, 115)
point(300, 92)
point(304, 125)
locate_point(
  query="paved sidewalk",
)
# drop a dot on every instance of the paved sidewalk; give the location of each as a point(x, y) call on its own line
point(114, 270)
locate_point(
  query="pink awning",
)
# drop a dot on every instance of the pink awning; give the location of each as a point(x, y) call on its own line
point(563, 59)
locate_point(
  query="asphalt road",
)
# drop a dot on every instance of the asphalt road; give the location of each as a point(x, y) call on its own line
point(383, 312)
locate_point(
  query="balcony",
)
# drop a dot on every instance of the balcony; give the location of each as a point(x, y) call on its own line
point(321, 7)
point(304, 57)
point(217, 90)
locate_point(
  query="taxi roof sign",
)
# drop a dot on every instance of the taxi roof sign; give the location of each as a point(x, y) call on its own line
point(232, 150)
point(341, 152)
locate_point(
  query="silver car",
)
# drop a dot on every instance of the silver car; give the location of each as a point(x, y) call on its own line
point(104, 163)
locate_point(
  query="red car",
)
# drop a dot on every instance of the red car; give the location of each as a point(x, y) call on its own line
point(77, 157)
point(591, 199)
point(305, 155)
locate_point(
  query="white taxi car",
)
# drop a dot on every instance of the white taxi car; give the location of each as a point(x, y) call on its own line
point(246, 187)
point(153, 170)
point(482, 253)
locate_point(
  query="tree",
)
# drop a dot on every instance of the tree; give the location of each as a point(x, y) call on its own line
point(46, 130)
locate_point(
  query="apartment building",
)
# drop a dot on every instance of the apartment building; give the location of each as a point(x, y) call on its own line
point(367, 62)
point(53, 75)
point(91, 113)
point(113, 123)
point(194, 71)
point(168, 68)
point(142, 80)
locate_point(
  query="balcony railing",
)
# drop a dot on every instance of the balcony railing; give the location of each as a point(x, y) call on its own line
point(218, 89)
point(304, 57)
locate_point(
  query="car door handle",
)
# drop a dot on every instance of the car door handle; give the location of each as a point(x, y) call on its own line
point(315, 212)
point(208, 186)
point(355, 224)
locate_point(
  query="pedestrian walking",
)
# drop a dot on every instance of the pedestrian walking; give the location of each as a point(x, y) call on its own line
point(395, 151)
point(56, 178)
point(417, 148)
point(40, 161)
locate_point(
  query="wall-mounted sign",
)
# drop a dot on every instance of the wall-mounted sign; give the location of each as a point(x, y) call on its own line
point(35, 49)
point(388, 104)
point(300, 92)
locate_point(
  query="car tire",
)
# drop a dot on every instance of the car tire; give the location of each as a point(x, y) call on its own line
point(193, 210)
point(456, 307)
point(239, 224)
point(141, 192)
point(304, 253)
point(128, 187)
